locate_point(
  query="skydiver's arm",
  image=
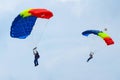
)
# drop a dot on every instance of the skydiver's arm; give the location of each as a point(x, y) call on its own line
point(34, 52)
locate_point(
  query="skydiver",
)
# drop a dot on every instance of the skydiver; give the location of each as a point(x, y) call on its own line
point(90, 56)
point(37, 56)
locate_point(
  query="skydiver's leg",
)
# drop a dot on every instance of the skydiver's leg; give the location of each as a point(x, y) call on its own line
point(36, 62)
point(89, 58)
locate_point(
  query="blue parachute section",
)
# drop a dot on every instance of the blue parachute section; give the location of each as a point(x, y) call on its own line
point(86, 33)
point(22, 26)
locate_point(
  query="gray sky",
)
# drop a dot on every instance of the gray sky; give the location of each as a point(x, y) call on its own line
point(63, 49)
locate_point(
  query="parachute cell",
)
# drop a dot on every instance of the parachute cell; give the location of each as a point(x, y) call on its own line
point(108, 40)
point(23, 24)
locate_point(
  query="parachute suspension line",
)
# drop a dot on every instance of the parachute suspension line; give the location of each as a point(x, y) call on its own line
point(42, 33)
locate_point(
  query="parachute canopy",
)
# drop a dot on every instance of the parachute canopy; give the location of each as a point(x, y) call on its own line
point(23, 24)
point(108, 40)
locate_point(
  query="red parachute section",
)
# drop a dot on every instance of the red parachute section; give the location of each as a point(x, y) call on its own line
point(41, 13)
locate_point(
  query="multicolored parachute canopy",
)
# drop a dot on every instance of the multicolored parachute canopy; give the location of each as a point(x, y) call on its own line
point(108, 40)
point(24, 22)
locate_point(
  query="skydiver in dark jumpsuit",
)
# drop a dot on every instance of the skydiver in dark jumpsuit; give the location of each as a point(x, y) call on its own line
point(36, 56)
point(90, 56)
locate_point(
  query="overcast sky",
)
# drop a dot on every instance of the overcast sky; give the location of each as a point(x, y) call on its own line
point(63, 49)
